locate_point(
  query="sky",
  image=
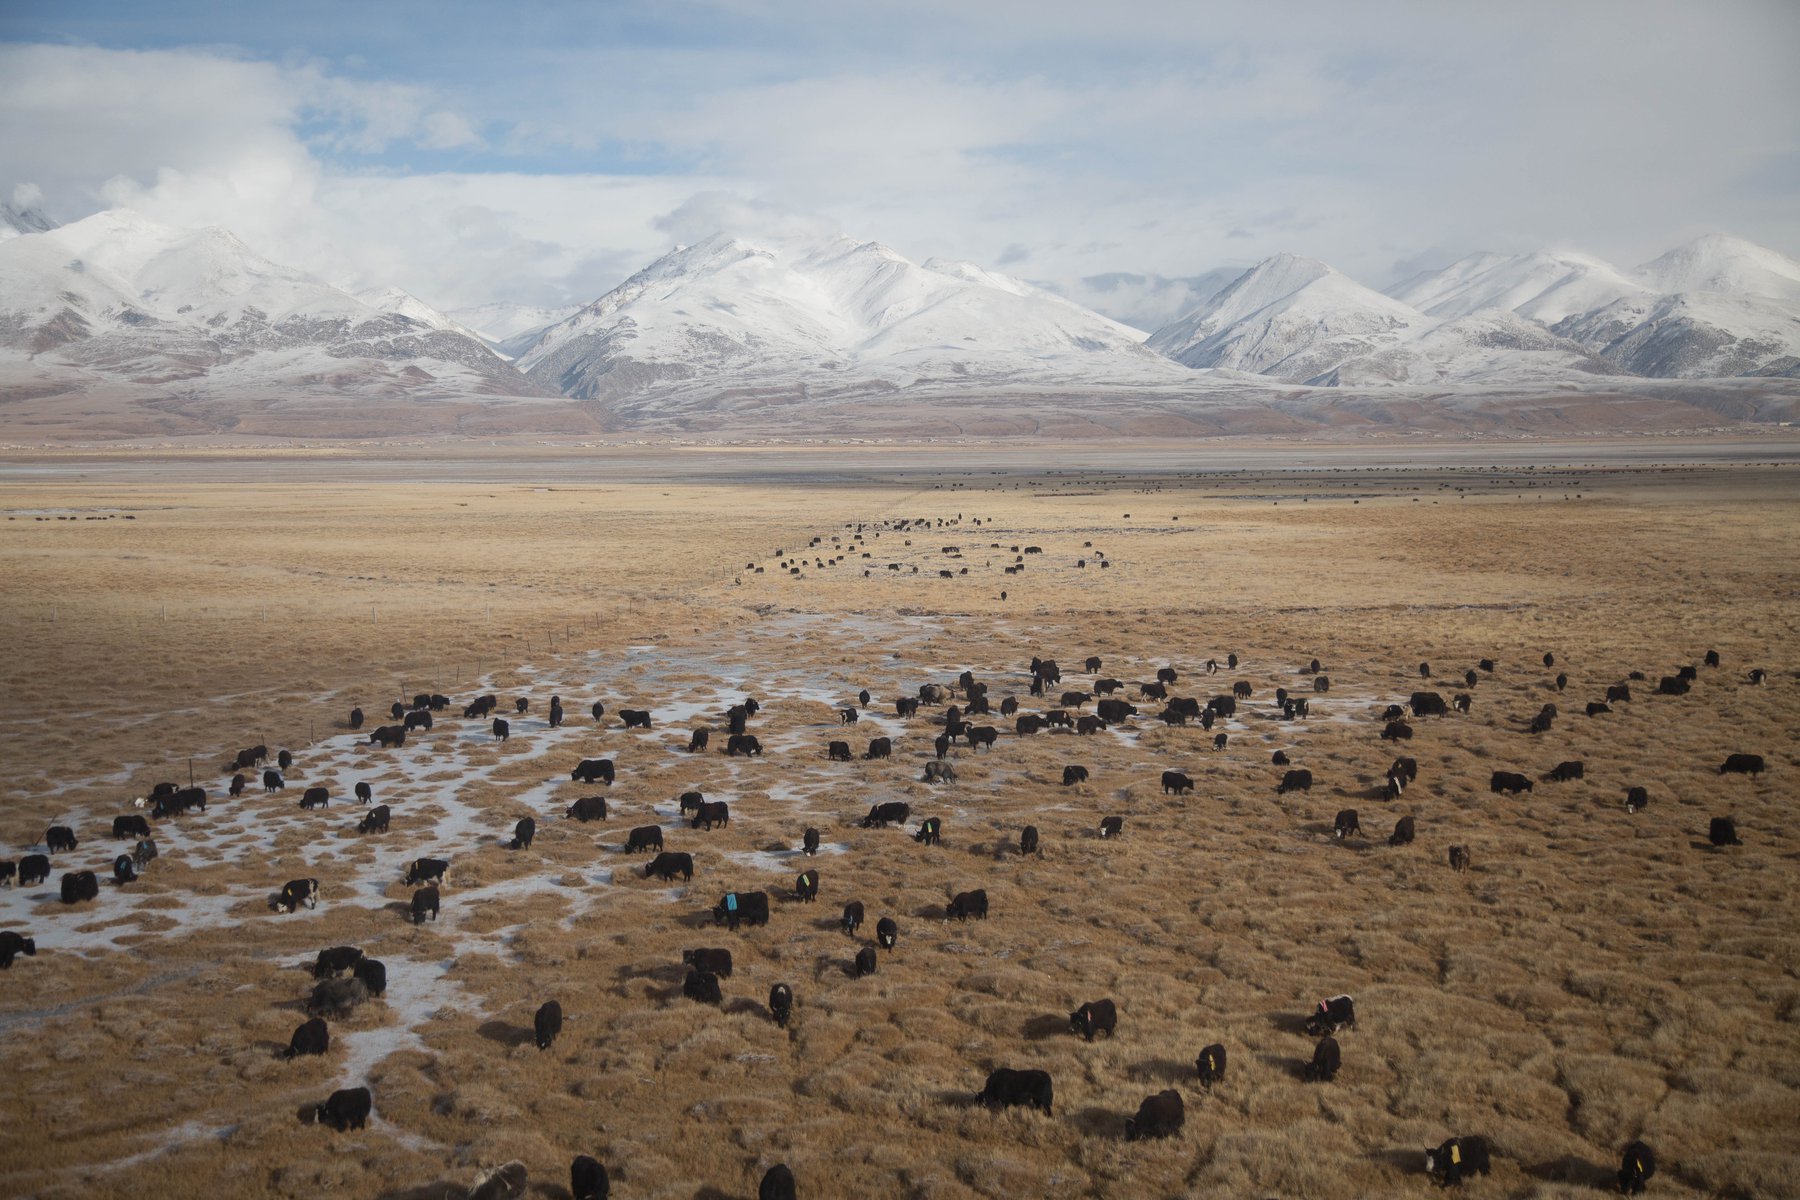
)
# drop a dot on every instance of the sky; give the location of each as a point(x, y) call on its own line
point(538, 153)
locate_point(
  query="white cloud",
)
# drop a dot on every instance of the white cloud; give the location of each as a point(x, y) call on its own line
point(1153, 136)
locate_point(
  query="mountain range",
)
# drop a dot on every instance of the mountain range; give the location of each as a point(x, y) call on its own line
point(168, 317)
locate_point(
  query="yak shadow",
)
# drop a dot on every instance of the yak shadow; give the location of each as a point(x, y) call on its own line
point(1287, 1066)
point(1161, 1070)
point(1571, 1169)
point(1288, 1022)
point(1399, 1160)
point(506, 1034)
point(709, 1192)
point(1099, 1122)
point(824, 924)
point(743, 1004)
point(961, 1098)
point(1049, 1025)
point(932, 912)
point(696, 920)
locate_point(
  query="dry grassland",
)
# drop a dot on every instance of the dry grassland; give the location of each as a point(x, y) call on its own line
point(1596, 977)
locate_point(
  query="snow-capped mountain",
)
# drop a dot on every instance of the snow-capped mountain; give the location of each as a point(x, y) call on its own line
point(16, 218)
point(1717, 263)
point(1289, 317)
point(122, 298)
point(827, 314)
point(1716, 307)
point(1541, 287)
point(1146, 302)
point(511, 328)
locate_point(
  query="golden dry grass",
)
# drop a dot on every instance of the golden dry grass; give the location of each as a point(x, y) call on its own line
point(1595, 977)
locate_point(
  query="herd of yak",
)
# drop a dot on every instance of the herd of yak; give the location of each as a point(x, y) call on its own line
point(965, 702)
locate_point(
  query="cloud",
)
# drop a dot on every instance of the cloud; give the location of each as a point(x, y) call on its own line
point(1155, 136)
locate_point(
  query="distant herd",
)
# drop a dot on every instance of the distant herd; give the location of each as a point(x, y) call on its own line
point(1159, 1116)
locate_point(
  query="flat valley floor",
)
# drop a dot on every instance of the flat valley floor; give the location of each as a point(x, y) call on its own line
point(1595, 976)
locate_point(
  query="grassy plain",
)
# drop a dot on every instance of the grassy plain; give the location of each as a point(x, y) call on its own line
point(1595, 977)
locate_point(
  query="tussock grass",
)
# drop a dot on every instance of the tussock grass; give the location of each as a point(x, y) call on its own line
point(1595, 977)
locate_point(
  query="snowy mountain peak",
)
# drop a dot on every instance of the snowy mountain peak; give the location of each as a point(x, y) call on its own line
point(1543, 286)
point(807, 310)
point(1717, 262)
point(23, 215)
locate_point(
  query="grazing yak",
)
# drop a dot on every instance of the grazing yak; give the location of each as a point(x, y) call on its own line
point(1459, 858)
point(523, 834)
point(1636, 1168)
point(711, 813)
point(1210, 1066)
point(375, 820)
point(1742, 764)
point(698, 739)
point(1073, 775)
point(502, 729)
point(781, 1004)
point(1721, 832)
point(745, 744)
point(1397, 731)
point(1008, 1088)
point(853, 918)
point(887, 932)
point(1332, 1014)
point(1428, 704)
point(335, 961)
point(312, 1037)
point(130, 826)
point(425, 900)
point(930, 831)
point(1159, 1116)
point(547, 1023)
point(1508, 781)
point(1403, 832)
point(713, 961)
point(296, 892)
point(1563, 772)
point(588, 1180)
point(879, 748)
point(587, 808)
point(809, 842)
point(1456, 1158)
point(736, 907)
point(665, 865)
point(1636, 798)
point(940, 772)
point(13, 944)
point(702, 987)
point(806, 887)
point(59, 838)
point(591, 770)
point(33, 868)
point(1112, 827)
point(777, 1184)
point(1324, 1065)
point(124, 870)
point(838, 752)
point(880, 815)
point(1028, 841)
point(372, 972)
point(1346, 824)
point(424, 870)
point(865, 963)
point(390, 737)
point(347, 1108)
point(635, 718)
point(1297, 780)
point(644, 837)
point(336, 997)
point(315, 797)
point(968, 904)
point(1096, 1016)
point(1176, 782)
